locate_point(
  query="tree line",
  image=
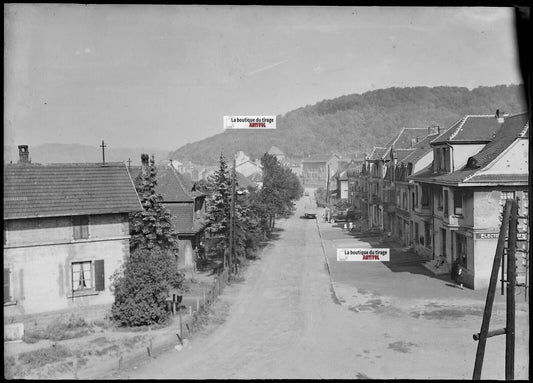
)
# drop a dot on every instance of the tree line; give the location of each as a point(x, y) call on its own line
point(142, 284)
point(357, 122)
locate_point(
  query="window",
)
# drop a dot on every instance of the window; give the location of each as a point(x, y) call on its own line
point(416, 232)
point(439, 199)
point(506, 195)
point(80, 226)
point(425, 196)
point(436, 162)
point(82, 277)
point(427, 234)
point(458, 202)
point(445, 192)
point(88, 276)
point(404, 200)
point(7, 285)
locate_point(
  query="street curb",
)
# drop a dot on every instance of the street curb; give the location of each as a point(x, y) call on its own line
point(331, 283)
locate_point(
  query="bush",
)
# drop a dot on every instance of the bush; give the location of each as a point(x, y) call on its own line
point(143, 286)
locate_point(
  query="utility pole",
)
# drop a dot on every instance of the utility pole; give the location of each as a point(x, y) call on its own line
point(327, 186)
point(232, 220)
point(509, 225)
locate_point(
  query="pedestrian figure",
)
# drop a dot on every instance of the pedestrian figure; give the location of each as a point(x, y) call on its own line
point(460, 276)
point(351, 226)
point(345, 227)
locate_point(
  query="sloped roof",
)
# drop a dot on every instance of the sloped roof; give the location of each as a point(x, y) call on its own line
point(477, 128)
point(54, 190)
point(401, 154)
point(182, 217)
point(421, 149)
point(405, 137)
point(319, 158)
point(275, 151)
point(244, 181)
point(514, 127)
point(377, 153)
point(171, 186)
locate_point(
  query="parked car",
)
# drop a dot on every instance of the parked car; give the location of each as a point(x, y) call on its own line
point(349, 214)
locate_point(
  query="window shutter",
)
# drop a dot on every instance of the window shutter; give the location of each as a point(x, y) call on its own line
point(7, 297)
point(99, 275)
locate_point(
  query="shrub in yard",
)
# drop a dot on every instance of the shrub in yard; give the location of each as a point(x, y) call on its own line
point(142, 287)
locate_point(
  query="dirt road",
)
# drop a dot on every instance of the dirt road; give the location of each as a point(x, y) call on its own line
point(284, 322)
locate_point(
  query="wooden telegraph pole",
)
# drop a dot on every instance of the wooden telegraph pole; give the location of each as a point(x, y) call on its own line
point(509, 225)
point(232, 220)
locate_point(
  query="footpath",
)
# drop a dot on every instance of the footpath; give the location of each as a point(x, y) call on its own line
point(406, 296)
point(105, 349)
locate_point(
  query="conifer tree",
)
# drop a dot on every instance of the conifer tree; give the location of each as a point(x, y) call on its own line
point(142, 284)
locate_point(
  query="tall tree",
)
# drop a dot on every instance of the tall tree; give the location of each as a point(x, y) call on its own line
point(144, 280)
point(219, 206)
point(151, 227)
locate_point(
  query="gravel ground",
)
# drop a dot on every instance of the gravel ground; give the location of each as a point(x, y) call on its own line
point(390, 320)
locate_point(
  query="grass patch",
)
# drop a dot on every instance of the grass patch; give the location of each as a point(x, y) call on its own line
point(44, 356)
point(64, 328)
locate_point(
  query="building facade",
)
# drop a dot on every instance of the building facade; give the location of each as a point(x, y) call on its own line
point(66, 231)
point(478, 163)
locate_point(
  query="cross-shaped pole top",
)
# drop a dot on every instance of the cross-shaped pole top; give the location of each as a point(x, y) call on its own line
point(103, 146)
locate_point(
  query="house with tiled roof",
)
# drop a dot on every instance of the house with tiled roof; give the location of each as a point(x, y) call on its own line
point(380, 192)
point(462, 192)
point(400, 201)
point(187, 207)
point(317, 170)
point(278, 153)
point(66, 231)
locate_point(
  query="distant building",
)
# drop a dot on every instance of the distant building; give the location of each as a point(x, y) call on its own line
point(187, 208)
point(317, 170)
point(249, 167)
point(278, 154)
point(241, 157)
point(186, 168)
point(66, 231)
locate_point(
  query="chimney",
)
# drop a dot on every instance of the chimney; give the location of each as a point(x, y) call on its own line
point(500, 116)
point(144, 164)
point(438, 130)
point(23, 154)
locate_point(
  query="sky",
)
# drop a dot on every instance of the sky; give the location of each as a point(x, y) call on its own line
point(163, 76)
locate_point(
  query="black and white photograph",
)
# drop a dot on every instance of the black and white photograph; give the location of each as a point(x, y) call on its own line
point(202, 191)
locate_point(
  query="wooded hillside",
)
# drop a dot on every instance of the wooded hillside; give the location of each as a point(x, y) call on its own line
point(357, 122)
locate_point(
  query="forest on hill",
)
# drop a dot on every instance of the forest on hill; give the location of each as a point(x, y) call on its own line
point(355, 123)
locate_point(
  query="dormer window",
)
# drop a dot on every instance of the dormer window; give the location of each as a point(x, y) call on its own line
point(441, 160)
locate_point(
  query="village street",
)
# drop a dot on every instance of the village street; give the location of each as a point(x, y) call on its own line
point(390, 320)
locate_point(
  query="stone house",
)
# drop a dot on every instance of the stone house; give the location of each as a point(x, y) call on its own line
point(66, 231)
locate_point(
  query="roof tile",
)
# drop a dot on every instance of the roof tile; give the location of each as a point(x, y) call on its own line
point(67, 189)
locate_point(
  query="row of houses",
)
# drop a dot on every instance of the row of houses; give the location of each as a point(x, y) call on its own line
point(66, 231)
point(442, 190)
